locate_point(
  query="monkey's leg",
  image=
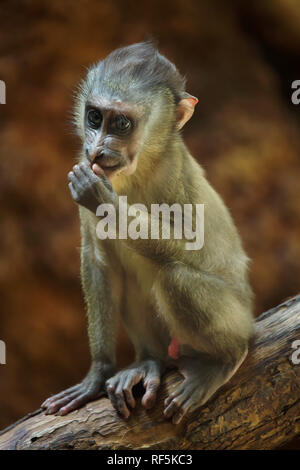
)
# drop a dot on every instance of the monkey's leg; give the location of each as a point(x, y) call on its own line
point(203, 376)
point(212, 322)
point(150, 339)
point(101, 330)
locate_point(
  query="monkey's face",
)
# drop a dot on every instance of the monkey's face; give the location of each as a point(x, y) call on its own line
point(112, 135)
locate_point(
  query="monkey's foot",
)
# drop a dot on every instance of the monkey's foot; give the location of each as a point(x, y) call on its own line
point(202, 378)
point(89, 389)
point(119, 387)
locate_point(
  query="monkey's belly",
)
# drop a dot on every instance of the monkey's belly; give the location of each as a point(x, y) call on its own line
point(136, 303)
point(144, 326)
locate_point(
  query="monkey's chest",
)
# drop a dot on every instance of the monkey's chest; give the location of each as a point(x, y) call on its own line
point(137, 267)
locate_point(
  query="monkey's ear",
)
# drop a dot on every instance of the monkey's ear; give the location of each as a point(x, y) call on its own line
point(185, 109)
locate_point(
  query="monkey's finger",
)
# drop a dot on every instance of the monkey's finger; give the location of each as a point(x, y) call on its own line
point(73, 191)
point(81, 178)
point(111, 386)
point(72, 176)
point(130, 381)
point(106, 182)
point(97, 170)
point(85, 169)
point(151, 384)
point(77, 171)
point(121, 402)
point(106, 186)
point(84, 173)
point(118, 401)
point(76, 182)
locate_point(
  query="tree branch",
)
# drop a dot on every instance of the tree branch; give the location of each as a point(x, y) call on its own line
point(258, 409)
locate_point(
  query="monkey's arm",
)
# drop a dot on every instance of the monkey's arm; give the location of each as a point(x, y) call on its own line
point(89, 191)
point(100, 310)
point(101, 332)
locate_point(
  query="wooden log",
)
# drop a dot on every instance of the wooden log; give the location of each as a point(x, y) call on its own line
point(258, 409)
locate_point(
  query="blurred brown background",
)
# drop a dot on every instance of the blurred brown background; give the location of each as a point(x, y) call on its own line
point(239, 58)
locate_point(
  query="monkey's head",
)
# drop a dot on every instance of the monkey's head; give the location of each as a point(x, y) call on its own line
point(130, 104)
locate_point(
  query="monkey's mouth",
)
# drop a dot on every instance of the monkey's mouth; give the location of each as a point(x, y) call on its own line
point(107, 164)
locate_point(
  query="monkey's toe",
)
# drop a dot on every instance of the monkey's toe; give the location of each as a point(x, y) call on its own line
point(182, 400)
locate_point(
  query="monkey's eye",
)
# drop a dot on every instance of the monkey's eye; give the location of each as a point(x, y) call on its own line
point(121, 124)
point(94, 118)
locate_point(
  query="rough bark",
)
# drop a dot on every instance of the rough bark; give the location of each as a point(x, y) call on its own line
point(258, 409)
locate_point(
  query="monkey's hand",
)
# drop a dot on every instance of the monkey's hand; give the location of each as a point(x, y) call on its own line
point(92, 387)
point(88, 189)
point(119, 387)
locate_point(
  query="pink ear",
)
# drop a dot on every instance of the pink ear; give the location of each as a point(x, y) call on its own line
point(185, 109)
point(193, 100)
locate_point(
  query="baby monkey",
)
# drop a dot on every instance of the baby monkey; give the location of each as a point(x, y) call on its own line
point(191, 309)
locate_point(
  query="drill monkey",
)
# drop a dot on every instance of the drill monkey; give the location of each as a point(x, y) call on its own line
point(195, 306)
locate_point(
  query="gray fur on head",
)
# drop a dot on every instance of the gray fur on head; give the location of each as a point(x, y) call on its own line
point(136, 68)
point(134, 73)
